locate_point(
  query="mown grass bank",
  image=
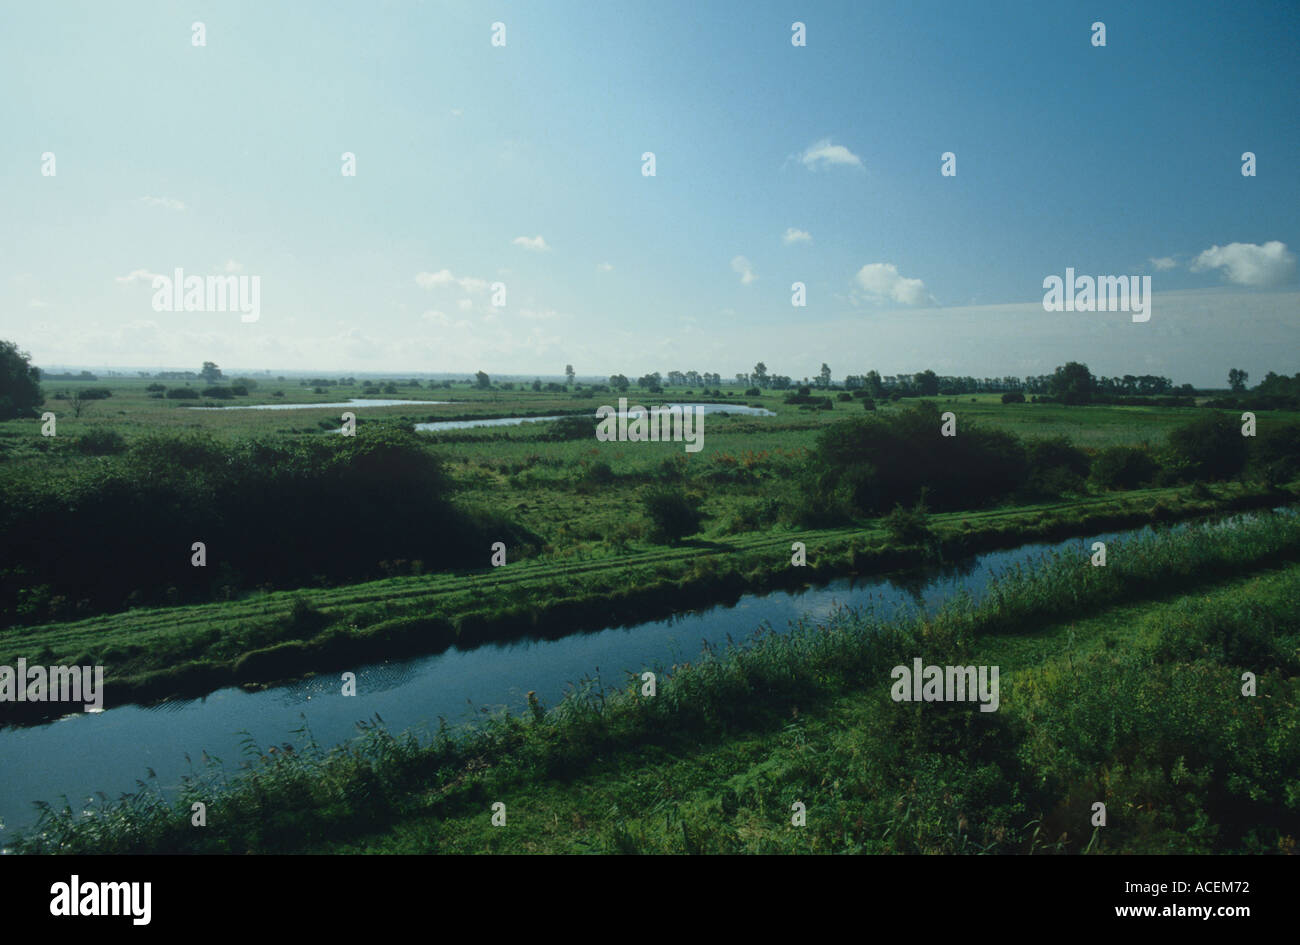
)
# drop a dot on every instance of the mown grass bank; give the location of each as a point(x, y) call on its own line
point(1137, 706)
point(190, 651)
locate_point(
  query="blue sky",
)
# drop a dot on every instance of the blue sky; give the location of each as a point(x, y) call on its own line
point(1122, 160)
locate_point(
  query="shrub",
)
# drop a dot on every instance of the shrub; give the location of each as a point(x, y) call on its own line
point(218, 393)
point(874, 462)
point(672, 515)
point(753, 392)
point(1211, 447)
point(868, 404)
point(182, 393)
point(1122, 467)
point(100, 442)
point(1276, 452)
point(167, 489)
point(598, 473)
point(1056, 466)
point(580, 427)
point(909, 526)
point(1013, 397)
point(843, 397)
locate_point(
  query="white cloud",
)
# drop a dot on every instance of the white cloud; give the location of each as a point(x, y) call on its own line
point(743, 266)
point(1249, 264)
point(428, 280)
point(465, 304)
point(38, 303)
point(796, 236)
point(604, 267)
point(535, 243)
point(232, 266)
point(824, 154)
point(1163, 263)
point(135, 275)
point(445, 277)
point(457, 112)
point(537, 316)
point(165, 202)
point(883, 281)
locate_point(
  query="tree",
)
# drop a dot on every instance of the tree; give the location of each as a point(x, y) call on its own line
point(927, 383)
point(568, 374)
point(210, 373)
point(1073, 383)
point(618, 382)
point(824, 377)
point(758, 375)
point(20, 387)
point(1237, 380)
point(874, 384)
point(482, 381)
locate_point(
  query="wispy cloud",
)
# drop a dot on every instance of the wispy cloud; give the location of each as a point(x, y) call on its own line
point(1163, 263)
point(604, 267)
point(1249, 264)
point(535, 243)
point(445, 277)
point(166, 203)
point(135, 275)
point(796, 236)
point(823, 153)
point(746, 269)
point(882, 281)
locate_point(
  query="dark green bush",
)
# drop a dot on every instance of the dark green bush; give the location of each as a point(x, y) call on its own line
point(876, 462)
point(1123, 467)
point(1056, 467)
point(672, 515)
point(100, 442)
point(1210, 448)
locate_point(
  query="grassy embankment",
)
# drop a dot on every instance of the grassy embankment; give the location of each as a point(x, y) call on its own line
point(1119, 684)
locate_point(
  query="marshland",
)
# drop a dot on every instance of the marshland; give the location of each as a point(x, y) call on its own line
point(526, 679)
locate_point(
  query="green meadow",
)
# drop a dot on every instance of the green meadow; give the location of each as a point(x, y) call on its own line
point(1120, 682)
